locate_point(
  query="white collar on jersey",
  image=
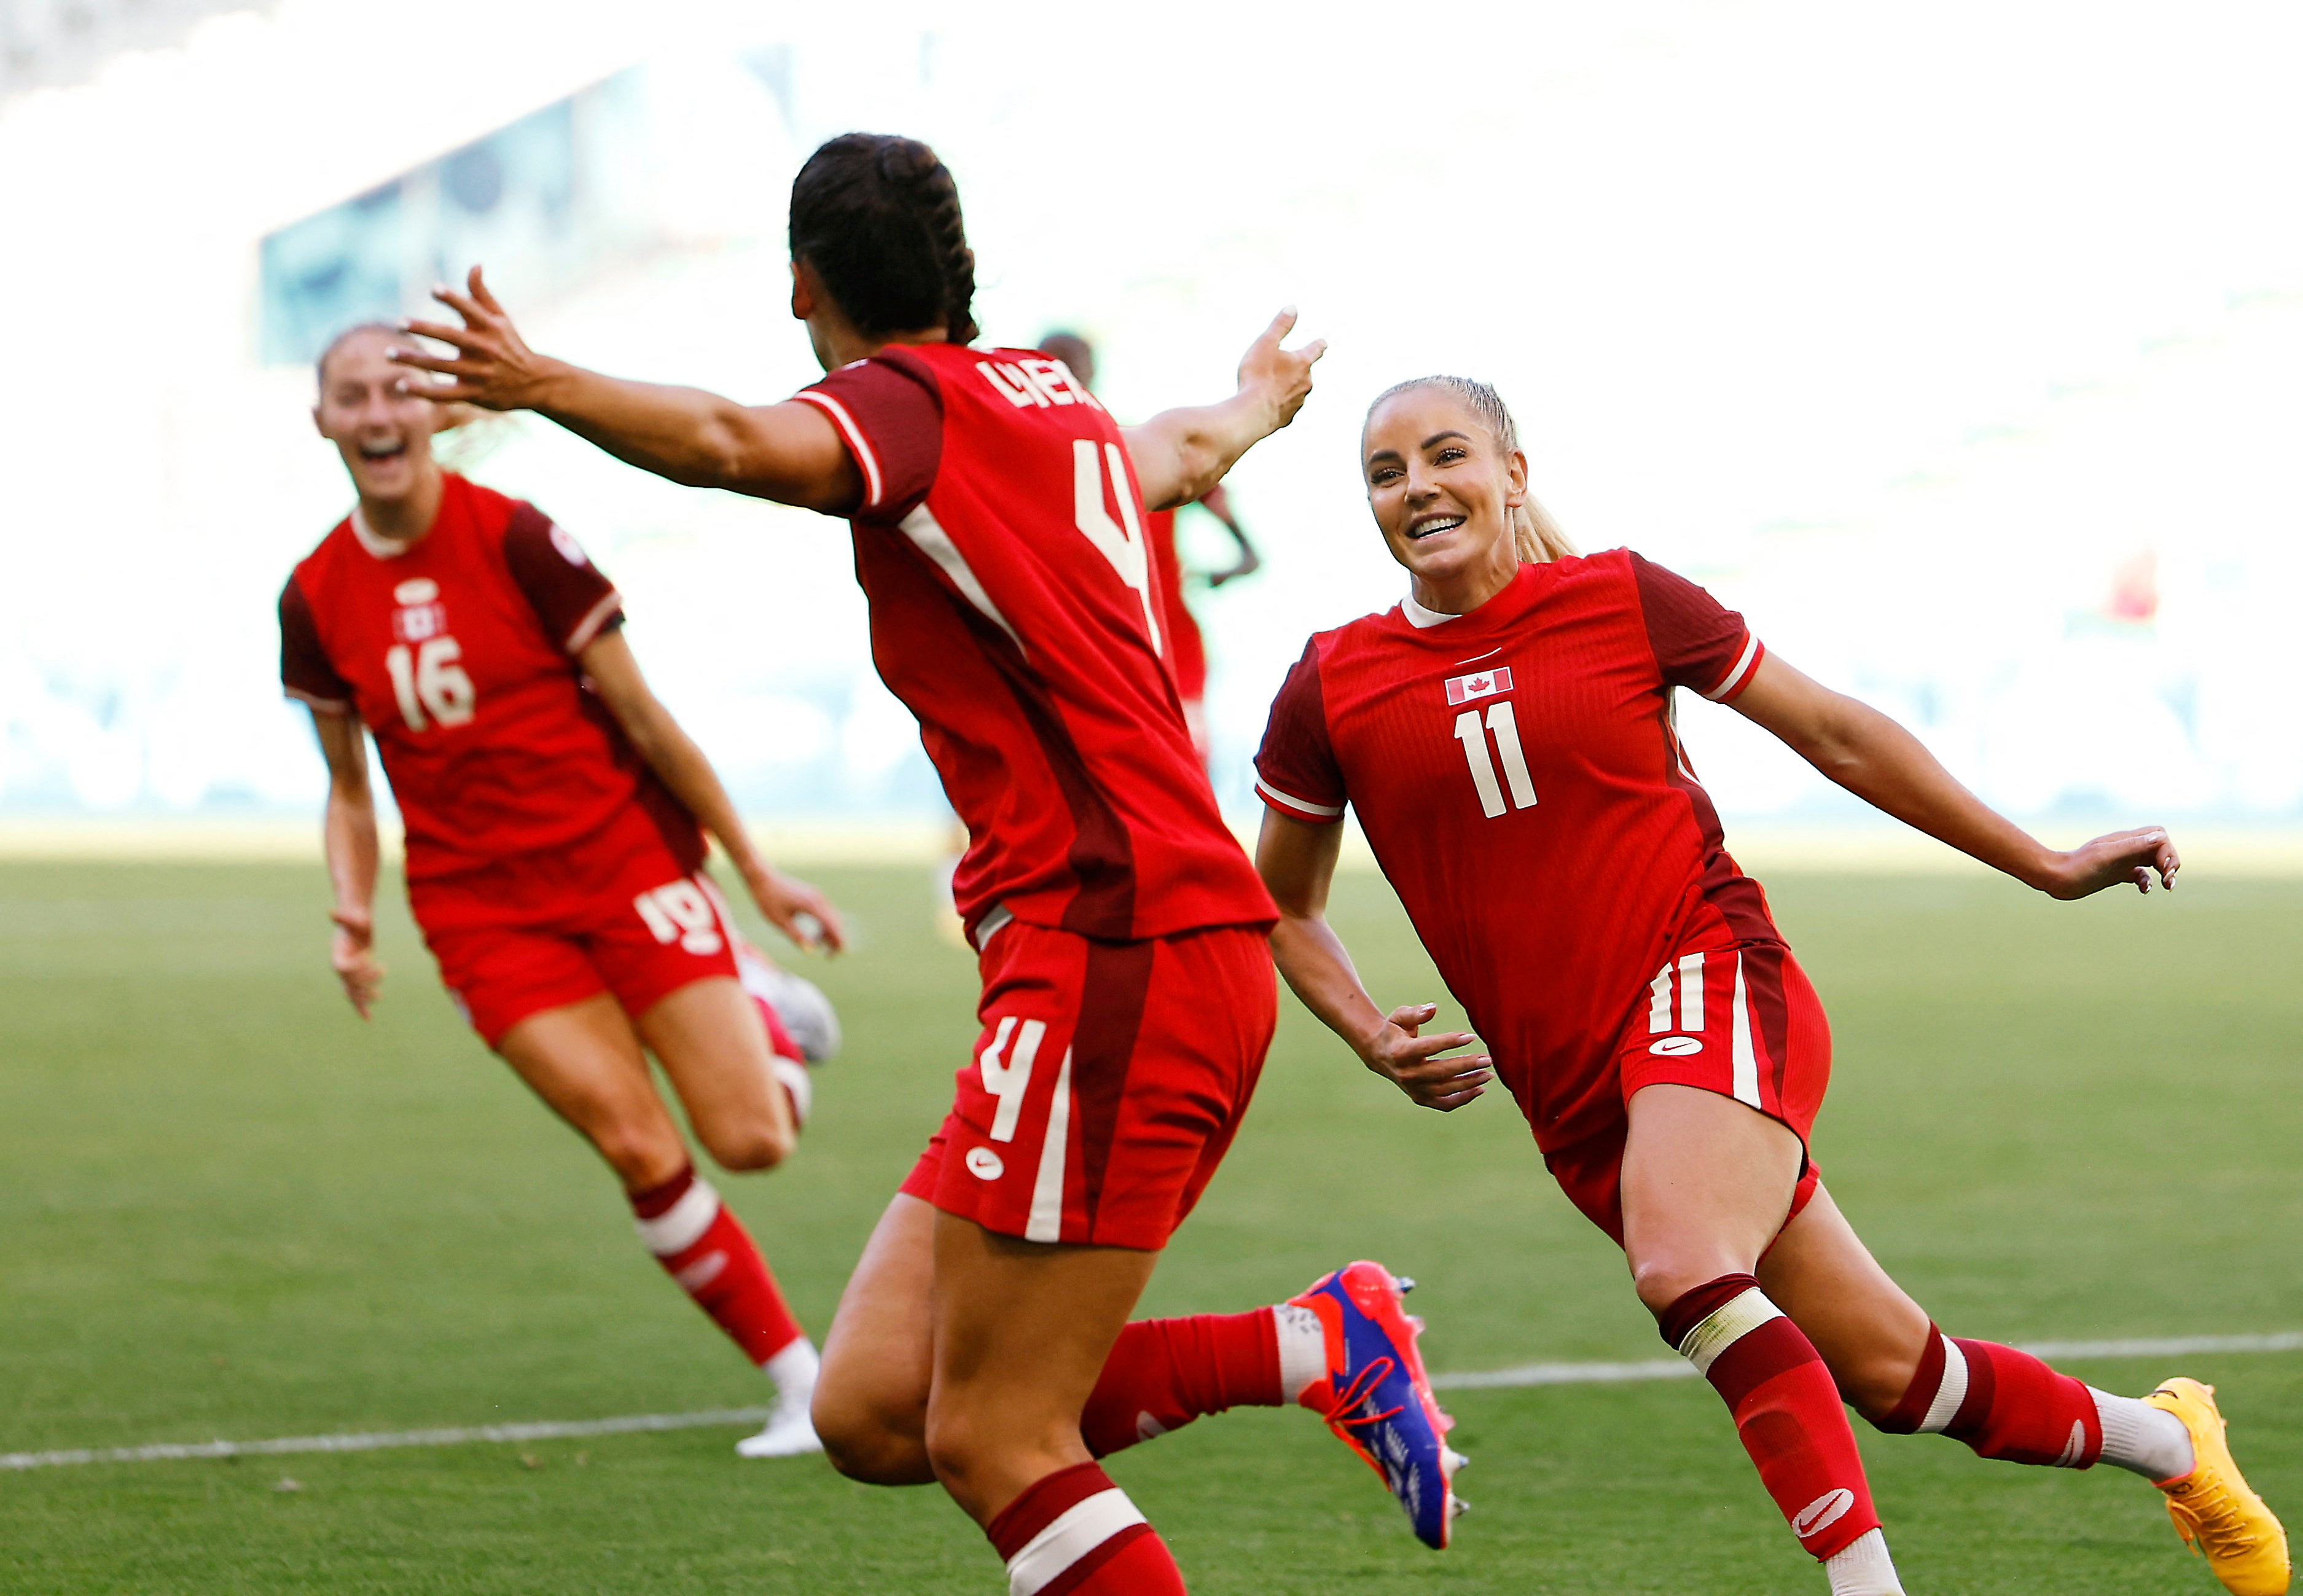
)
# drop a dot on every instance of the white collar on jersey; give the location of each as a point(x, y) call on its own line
point(1420, 617)
point(383, 548)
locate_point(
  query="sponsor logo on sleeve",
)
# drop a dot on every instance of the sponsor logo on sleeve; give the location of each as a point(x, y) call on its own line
point(569, 549)
point(1479, 684)
point(1674, 1047)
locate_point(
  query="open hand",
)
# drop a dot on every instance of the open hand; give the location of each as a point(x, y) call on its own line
point(2120, 858)
point(493, 366)
point(1283, 376)
point(353, 955)
point(1410, 1061)
point(798, 909)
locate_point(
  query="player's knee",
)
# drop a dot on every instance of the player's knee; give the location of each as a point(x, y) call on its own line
point(1662, 1278)
point(865, 1443)
point(1874, 1384)
point(959, 1443)
point(749, 1144)
point(641, 1158)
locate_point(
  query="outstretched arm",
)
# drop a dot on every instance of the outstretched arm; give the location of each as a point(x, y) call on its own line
point(790, 904)
point(348, 838)
point(789, 452)
point(1181, 454)
point(1298, 861)
point(1887, 767)
point(1218, 503)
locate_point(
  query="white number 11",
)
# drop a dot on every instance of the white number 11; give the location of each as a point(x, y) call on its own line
point(1504, 724)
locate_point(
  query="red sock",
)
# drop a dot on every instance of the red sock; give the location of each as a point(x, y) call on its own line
point(1163, 1373)
point(2003, 1402)
point(1787, 1410)
point(707, 1250)
point(1074, 1530)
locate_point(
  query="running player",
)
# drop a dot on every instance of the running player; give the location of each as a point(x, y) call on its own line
point(1505, 736)
point(1186, 649)
point(554, 858)
point(996, 516)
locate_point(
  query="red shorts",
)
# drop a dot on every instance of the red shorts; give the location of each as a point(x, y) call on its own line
point(1106, 1084)
point(616, 913)
point(1741, 1021)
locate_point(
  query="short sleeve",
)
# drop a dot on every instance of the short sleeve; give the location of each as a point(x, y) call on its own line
point(305, 673)
point(571, 595)
point(890, 416)
point(1296, 769)
point(1698, 643)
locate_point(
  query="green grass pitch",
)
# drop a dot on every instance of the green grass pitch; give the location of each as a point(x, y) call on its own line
point(229, 1210)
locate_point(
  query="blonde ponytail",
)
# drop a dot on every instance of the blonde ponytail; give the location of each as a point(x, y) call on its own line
point(1534, 534)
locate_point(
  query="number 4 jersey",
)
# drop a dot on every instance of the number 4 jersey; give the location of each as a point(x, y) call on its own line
point(458, 650)
point(1016, 612)
point(1518, 772)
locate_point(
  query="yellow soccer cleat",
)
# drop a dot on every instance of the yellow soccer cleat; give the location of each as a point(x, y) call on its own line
point(2213, 1510)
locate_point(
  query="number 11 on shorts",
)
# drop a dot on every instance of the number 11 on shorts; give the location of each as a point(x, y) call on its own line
point(1503, 722)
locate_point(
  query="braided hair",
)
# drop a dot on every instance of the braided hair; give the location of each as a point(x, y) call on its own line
point(878, 217)
point(1536, 534)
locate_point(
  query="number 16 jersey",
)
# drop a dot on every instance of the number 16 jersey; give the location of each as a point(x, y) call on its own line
point(1016, 612)
point(1518, 772)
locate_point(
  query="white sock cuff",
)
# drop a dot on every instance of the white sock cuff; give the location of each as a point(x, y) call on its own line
point(2143, 1439)
point(796, 1081)
point(1726, 1325)
point(683, 1224)
point(794, 1368)
point(1863, 1568)
point(1302, 1349)
point(1074, 1533)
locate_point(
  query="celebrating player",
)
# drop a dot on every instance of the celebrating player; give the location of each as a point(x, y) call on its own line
point(1506, 736)
point(1186, 650)
point(554, 856)
point(997, 514)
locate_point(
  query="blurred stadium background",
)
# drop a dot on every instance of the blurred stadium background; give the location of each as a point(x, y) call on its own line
point(1962, 348)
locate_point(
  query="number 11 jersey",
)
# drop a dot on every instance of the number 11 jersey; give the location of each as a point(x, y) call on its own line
point(1016, 611)
point(1518, 774)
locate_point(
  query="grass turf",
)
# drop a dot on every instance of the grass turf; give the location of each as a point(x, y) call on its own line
point(230, 1210)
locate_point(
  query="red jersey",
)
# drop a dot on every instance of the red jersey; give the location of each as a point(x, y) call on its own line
point(457, 651)
point(1187, 655)
point(1016, 611)
point(1518, 772)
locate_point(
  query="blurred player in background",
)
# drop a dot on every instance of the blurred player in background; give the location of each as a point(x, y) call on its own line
point(555, 858)
point(1505, 736)
point(1186, 649)
point(1128, 998)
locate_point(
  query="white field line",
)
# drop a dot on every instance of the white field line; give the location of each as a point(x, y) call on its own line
point(1524, 1374)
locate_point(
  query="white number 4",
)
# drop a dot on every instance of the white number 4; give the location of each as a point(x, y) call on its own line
point(1504, 724)
point(431, 680)
point(1122, 545)
point(1006, 1082)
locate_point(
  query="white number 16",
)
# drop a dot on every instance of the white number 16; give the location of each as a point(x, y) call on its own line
point(1505, 723)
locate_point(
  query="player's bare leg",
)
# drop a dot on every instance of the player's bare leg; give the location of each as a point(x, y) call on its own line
point(872, 1398)
point(1904, 1375)
point(1022, 1332)
point(584, 1060)
point(708, 1038)
point(1706, 1183)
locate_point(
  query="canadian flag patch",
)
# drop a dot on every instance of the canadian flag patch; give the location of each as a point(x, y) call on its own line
point(1480, 684)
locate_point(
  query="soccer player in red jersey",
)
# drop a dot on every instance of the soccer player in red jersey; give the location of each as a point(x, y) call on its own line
point(555, 861)
point(1186, 649)
point(1506, 736)
point(997, 515)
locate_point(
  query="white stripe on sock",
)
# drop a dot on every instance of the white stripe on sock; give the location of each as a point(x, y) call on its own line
point(683, 1224)
point(1951, 1393)
point(1077, 1531)
point(1726, 1326)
